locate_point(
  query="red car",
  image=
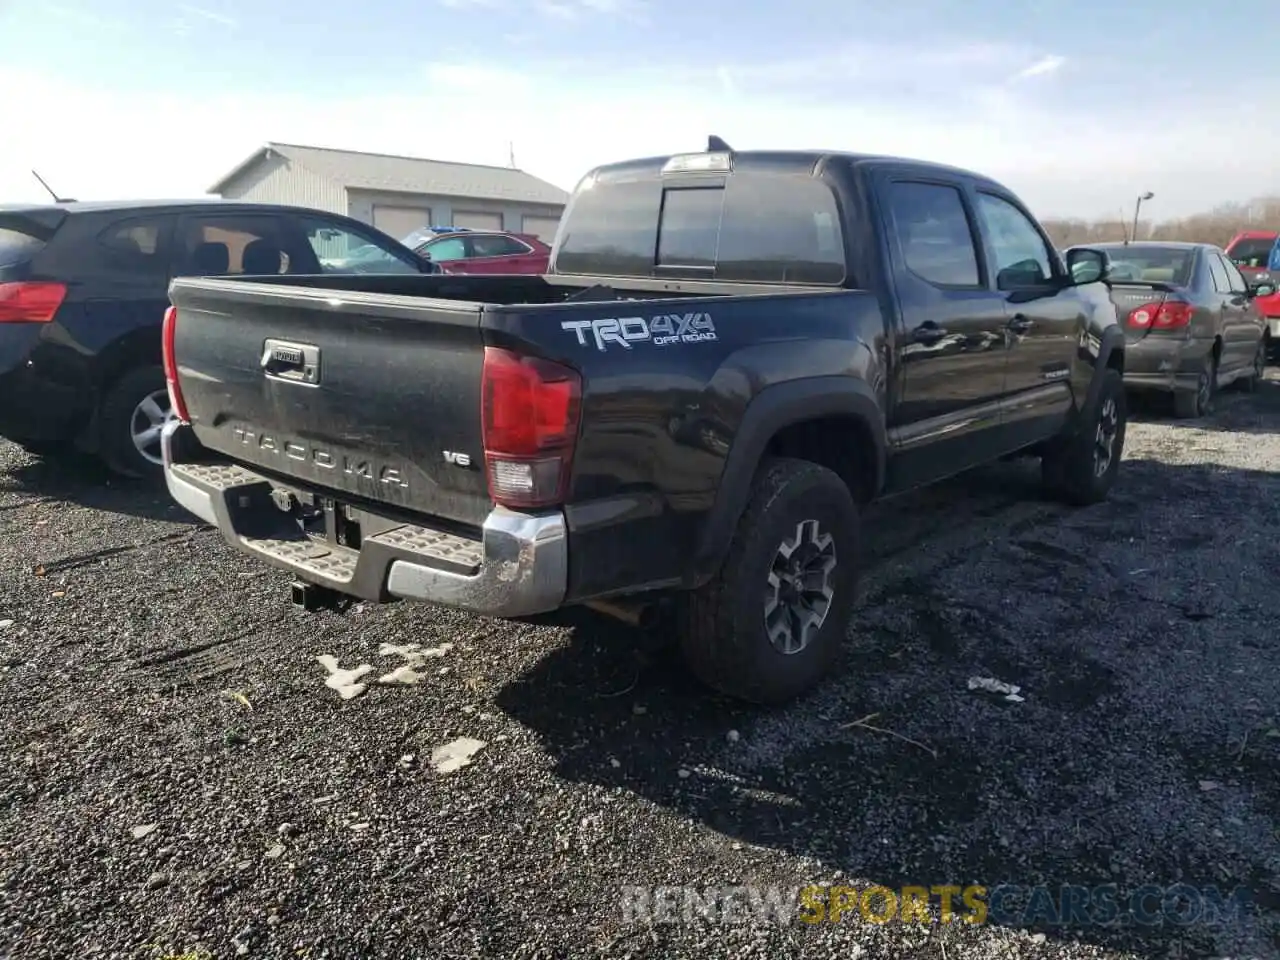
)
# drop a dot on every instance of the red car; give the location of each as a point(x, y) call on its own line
point(1249, 251)
point(478, 251)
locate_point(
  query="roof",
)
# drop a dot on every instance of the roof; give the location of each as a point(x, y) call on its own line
point(1168, 244)
point(786, 161)
point(376, 171)
point(108, 206)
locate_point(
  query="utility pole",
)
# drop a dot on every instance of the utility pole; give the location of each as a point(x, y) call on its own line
point(511, 153)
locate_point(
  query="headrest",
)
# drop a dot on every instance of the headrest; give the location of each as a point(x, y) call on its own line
point(210, 259)
point(260, 257)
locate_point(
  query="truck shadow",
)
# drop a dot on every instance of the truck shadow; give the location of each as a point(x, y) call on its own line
point(1140, 753)
point(86, 482)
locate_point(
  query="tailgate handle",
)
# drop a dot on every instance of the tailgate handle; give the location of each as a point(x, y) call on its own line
point(295, 362)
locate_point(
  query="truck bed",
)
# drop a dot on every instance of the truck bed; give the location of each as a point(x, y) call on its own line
point(370, 386)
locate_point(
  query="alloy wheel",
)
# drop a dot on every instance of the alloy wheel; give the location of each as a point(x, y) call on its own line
point(1104, 437)
point(148, 420)
point(799, 592)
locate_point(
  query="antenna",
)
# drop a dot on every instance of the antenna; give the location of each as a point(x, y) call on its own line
point(715, 144)
point(56, 198)
point(511, 153)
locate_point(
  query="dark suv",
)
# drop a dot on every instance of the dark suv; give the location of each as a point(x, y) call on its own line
point(83, 290)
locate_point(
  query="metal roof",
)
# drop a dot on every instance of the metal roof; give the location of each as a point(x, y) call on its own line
point(375, 171)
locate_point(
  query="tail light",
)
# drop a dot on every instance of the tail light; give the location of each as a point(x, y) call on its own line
point(29, 302)
point(176, 403)
point(1169, 315)
point(530, 410)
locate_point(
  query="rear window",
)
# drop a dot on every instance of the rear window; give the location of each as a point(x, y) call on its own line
point(755, 229)
point(1151, 264)
point(1252, 253)
point(16, 246)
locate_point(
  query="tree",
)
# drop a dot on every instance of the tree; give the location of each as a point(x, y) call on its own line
point(1217, 226)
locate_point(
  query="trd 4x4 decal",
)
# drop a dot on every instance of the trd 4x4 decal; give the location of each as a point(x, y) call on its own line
point(660, 331)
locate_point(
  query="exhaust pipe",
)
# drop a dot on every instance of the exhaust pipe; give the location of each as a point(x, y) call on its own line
point(642, 616)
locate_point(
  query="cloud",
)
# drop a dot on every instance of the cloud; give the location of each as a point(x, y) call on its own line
point(725, 76)
point(1042, 67)
point(210, 16)
point(952, 105)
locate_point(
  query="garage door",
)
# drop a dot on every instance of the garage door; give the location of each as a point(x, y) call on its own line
point(544, 228)
point(400, 221)
point(473, 220)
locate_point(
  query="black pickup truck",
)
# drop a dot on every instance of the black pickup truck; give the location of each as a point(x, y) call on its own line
point(732, 354)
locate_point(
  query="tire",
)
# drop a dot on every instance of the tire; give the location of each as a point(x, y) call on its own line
point(1081, 467)
point(123, 415)
point(1190, 404)
point(722, 626)
point(1253, 381)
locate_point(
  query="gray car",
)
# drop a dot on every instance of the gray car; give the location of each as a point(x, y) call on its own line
point(1190, 322)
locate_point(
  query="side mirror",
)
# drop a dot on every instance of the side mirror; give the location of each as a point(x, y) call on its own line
point(1264, 289)
point(1087, 265)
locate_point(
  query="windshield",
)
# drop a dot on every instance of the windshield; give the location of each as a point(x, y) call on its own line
point(1151, 264)
point(1252, 252)
point(417, 237)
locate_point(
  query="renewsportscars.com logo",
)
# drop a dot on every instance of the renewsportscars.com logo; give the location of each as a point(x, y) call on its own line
point(661, 330)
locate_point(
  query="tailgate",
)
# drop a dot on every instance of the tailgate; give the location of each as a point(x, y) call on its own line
point(371, 395)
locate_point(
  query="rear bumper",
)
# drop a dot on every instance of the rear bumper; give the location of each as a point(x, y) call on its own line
point(1164, 363)
point(519, 566)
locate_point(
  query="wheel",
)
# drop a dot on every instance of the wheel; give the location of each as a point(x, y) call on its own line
point(1081, 468)
point(769, 625)
point(1188, 404)
point(1253, 380)
point(133, 412)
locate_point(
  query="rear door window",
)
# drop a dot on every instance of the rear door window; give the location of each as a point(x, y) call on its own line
point(137, 245)
point(496, 246)
point(211, 245)
point(1218, 270)
point(934, 233)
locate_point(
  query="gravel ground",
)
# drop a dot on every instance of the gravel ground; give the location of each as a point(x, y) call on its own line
point(152, 677)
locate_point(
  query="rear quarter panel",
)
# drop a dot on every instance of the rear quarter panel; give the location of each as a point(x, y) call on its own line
point(111, 318)
point(659, 419)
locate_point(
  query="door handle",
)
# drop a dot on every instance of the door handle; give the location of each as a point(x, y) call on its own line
point(928, 332)
point(1020, 324)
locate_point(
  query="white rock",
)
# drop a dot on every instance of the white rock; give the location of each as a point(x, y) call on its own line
point(456, 754)
point(144, 830)
point(404, 676)
point(345, 682)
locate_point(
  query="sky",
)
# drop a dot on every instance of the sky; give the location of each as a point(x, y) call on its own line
point(1078, 107)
